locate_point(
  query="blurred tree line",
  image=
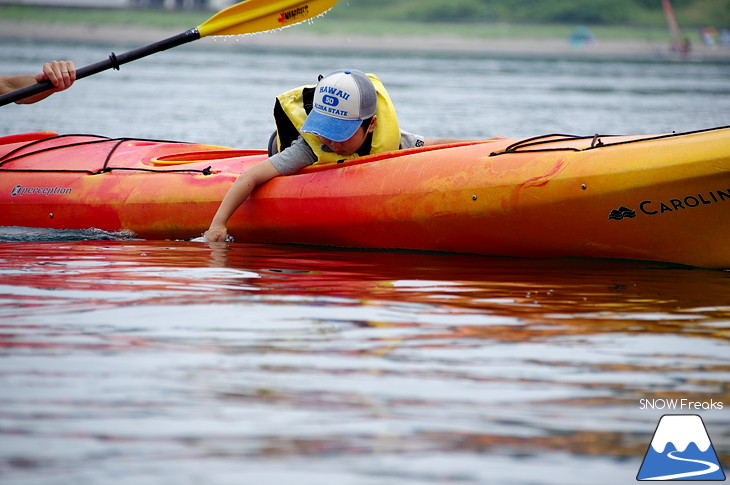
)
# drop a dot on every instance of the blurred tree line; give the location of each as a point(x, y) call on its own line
point(541, 11)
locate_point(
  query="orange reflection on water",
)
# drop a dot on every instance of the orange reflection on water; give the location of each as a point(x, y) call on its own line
point(530, 356)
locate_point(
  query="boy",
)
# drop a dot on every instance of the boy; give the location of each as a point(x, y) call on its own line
point(351, 115)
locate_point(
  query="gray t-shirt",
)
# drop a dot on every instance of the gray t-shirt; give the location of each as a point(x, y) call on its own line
point(300, 155)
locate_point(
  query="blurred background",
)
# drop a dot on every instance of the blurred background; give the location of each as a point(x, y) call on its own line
point(455, 68)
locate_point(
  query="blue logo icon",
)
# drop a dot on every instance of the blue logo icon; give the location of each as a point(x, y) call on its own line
point(681, 450)
point(330, 100)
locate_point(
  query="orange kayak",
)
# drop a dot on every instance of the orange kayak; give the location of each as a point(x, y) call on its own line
point(659, 197)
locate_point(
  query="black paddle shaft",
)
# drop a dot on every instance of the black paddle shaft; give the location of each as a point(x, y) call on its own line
point(113, 62)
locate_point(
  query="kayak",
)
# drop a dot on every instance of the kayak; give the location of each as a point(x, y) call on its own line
point(659, 197)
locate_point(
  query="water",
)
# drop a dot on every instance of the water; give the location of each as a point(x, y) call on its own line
point(221, 93)
point(143, 362)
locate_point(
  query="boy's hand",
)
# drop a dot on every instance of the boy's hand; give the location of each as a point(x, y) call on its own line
point(216, 234)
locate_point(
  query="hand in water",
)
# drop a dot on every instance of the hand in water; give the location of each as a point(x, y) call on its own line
point(214, 236)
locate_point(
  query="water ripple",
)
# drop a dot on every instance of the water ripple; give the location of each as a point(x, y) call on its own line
point(134, 360)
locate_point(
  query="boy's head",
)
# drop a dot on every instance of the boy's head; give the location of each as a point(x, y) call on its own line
point(342, 101)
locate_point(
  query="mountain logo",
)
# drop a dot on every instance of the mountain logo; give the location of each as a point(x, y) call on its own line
point(681, 450)
point(620, 213)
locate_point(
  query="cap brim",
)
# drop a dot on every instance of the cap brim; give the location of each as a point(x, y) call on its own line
point(328, 127)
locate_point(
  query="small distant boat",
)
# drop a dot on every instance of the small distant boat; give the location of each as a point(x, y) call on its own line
point(660, 198)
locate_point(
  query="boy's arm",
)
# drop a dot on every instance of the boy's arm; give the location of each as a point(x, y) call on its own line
point(236, 195)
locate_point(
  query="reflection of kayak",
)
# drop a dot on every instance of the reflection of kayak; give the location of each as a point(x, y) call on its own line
point(663, 198)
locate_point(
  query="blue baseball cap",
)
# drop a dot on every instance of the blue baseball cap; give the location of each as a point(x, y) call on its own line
point(342, 100)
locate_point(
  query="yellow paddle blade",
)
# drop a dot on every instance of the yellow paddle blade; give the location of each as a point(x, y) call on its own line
point(252, 16)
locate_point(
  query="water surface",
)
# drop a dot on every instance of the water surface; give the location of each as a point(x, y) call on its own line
point(138, 361)
point(222, 92)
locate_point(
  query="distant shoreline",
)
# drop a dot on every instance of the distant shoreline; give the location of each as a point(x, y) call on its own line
point(298, 39)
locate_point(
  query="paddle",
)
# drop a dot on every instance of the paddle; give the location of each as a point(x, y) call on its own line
point(246, 17)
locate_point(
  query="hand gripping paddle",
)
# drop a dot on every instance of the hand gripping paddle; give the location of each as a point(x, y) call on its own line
point(246, 17)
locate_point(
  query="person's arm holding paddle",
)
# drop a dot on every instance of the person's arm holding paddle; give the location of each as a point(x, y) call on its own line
point(61, 74)
point(246, 17)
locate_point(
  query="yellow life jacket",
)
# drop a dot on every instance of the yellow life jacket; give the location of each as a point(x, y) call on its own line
point(292, 108)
